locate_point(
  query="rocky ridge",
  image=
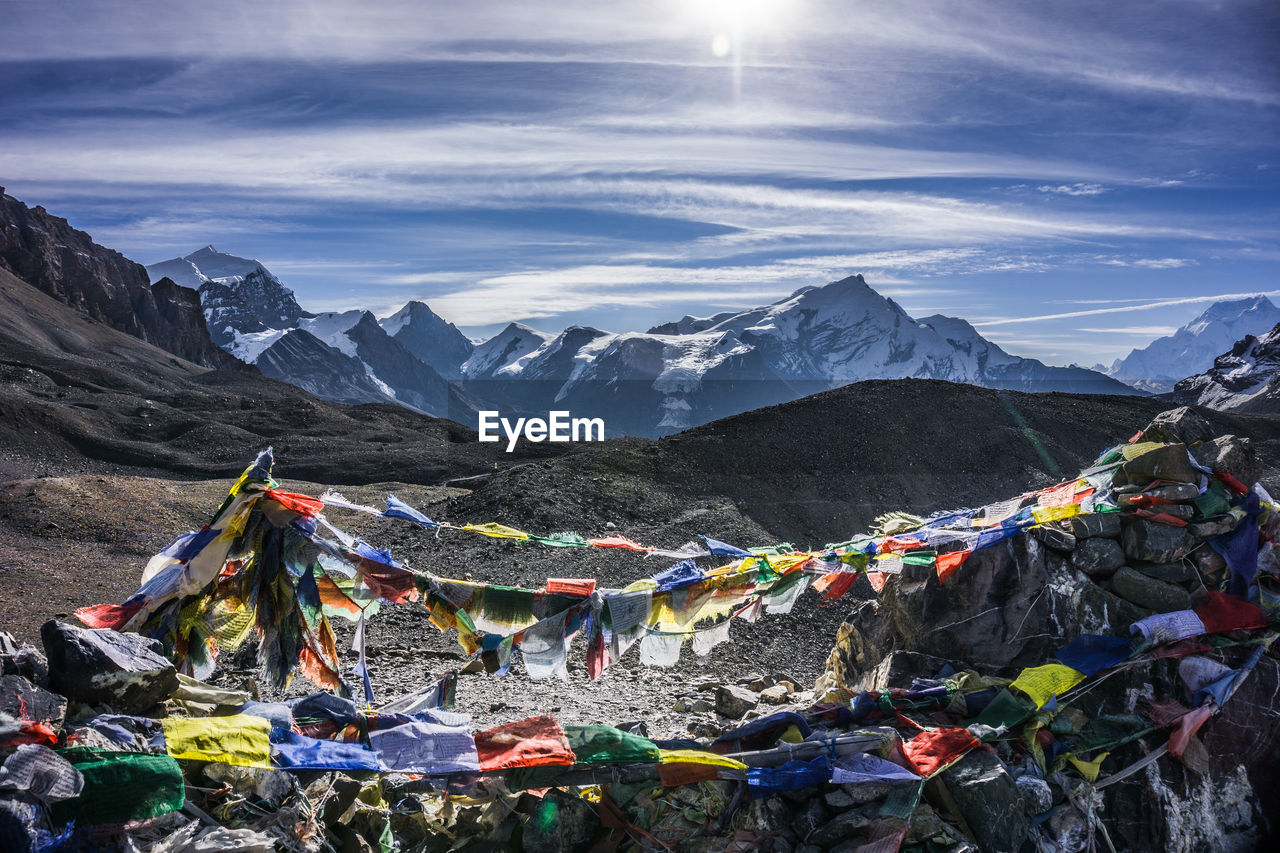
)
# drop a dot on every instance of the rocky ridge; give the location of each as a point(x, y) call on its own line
point(46, 252)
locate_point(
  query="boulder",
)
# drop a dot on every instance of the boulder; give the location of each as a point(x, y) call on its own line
point(1168, 572)
point(1213, 526)
point(1168, 462)
point(734, 702)
point(1068, 828)
point(1098, 557)
point(1148, 592)
point(1207, 560)
point(100, 666)
point(775, 695)
point(986, 797)
point(844, 825)
point(1182, 425)
point(1037, 798)
point(561, 823)
point(20, 659)
point(22, 700)
point(1152, 542)
point(1091, 524)
point(1230, 454)
point(811, 816)
point(1055, 537)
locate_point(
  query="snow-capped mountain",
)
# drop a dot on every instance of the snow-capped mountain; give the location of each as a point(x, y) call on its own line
point(239, 295)
point(343, 356)
point(434, 340)
point(674, 376)
point(1244, 379)
point(699, 369)
point(1193, 348)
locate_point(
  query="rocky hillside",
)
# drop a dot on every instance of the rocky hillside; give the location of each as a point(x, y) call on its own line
point(46, 252)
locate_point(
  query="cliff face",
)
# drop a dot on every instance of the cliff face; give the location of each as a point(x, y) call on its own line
point(46, 252)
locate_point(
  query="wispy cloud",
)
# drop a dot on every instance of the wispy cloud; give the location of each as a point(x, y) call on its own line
point(1137, 331)
point(1073, 189)
point(1164, 303)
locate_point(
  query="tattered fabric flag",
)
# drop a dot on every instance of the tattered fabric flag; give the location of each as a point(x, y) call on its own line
point(933, 751)
point(949, 563)
point(1058, 495)
point(833, 586)
point(361, 668)
point(238, 739)
point(397, 508)
point(1221, 612)
point(1046, 514)
point(789, 776)
point(1088, 769)
point(332, 498)
point(1042, 683)
point(688, 550)
point(1163, 628)
point(996, 513)
point(620, 542)
point(301, 504)
point(864, 768)
point(750, 613)
point(546, 649)
point(1092, 653)
point(657, 649)
point(423, 747)
point(723, 549)
point(120, 787)
point(534, 742)
point(566, 539)
point(1197, 672)
point(571, 586)
point(782, 597)
point(597, 744)
point(292, 751)
point(706, 639)
point(495, 530)
point(39, 771)
point(681, 574)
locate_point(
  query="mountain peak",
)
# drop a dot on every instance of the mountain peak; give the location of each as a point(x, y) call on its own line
point(1191, 350)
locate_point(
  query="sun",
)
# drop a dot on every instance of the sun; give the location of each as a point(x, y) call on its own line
point(732, 22)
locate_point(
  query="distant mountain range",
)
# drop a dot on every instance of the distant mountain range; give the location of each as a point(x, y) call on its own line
point(1192, 349)
point(671, 377)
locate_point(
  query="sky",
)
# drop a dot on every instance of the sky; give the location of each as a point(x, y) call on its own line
point(622, 164)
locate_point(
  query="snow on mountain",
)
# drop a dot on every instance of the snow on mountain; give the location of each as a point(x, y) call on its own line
point(431, 338)
point(345, 356)
point(502, 351)
point(1193, 348)
point(1244, 379)
point(697, 369)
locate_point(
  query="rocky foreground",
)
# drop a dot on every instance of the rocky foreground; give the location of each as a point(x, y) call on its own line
point(1102, 681)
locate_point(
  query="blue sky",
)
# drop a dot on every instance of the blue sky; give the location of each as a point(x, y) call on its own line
point(621, 164)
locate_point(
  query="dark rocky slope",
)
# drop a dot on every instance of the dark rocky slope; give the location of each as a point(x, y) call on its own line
point(45, 251)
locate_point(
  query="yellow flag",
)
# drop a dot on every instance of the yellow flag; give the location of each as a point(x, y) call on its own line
point(1088, 769)
point(239, 739)
point(499, 531)
point(1042, 683)
point(697, 756)
point(1045, 514)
